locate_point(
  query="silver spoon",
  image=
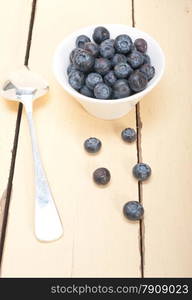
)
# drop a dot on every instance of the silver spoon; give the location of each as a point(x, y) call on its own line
point(25, 86)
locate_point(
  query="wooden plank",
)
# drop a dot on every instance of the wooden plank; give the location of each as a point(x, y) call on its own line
point(166, 141)
point(97, 241)
point(14, 18)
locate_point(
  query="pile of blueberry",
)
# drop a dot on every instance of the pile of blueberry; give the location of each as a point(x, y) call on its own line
point(109, 68)
point(133, 210)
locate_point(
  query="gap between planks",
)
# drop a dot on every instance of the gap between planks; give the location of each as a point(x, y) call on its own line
point(16, 139)
point(139, 159)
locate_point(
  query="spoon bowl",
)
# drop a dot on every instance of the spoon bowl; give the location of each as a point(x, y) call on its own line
point(26, 81)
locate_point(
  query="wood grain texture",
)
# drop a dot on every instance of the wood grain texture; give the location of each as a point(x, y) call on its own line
point(97, 240)
point(167, 142)
point(14, 17)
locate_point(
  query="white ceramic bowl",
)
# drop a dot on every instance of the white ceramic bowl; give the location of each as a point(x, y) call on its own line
point(107, 109)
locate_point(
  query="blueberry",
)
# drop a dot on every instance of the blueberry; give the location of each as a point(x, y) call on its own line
point(92, 48)
point(141, 171)
point(92, 80)
point(123, 43)
point(118, 58)
point(121, 89)
point(122, 70)
point(73, 52)
point(137, 81)
point(133, 210)
point(70, 69)
point(133, 48)
point(83, 61)
point(106, 50)
point(102, 91)
point(101, 176)
point(100, 34)
point(129, 135)
point(135, 59)
point(86, 92)
point(141, 45)
point(81, 40)
point(102, 65)
point(148, 70)
point(110, 78)
point(109, 42)
point(147, 59)
point(92, 145)
point(76, 79)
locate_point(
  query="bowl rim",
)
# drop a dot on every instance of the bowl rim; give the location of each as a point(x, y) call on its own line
point(76, 94)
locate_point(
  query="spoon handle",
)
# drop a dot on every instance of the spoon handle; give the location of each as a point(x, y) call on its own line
point(48, 225)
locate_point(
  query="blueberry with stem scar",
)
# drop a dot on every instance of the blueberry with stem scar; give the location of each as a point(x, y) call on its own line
point(102, 91)
point(129, 135)
point(83, 61)
point(141, 171)
point(76, 79)
point(122, 70)
point(135, 59)
point(123, 43)
point(92, 80)
point(133, 210)
point(92, 145)
point(81, 41)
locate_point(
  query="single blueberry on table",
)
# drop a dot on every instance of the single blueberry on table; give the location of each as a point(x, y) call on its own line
point(147, 70)
point(141, 171)
point(121, 89)
point(86, 92)
point(135, 59)
point(141, 45)
point(92, 80)
point(100, 34)
point(83, 61)
point(137, 81)
point(118, 58)
point(123, 43)
point(102, 65)
point(92, 145)
point(110, 78)
point(106, 50)
point(92, 48)
point(101, 176)
point(81, 40)
point(129, 135)
point(122, 70)
point(133, 210)
point(102, 91)
point(71, 68)
point(76, 79)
